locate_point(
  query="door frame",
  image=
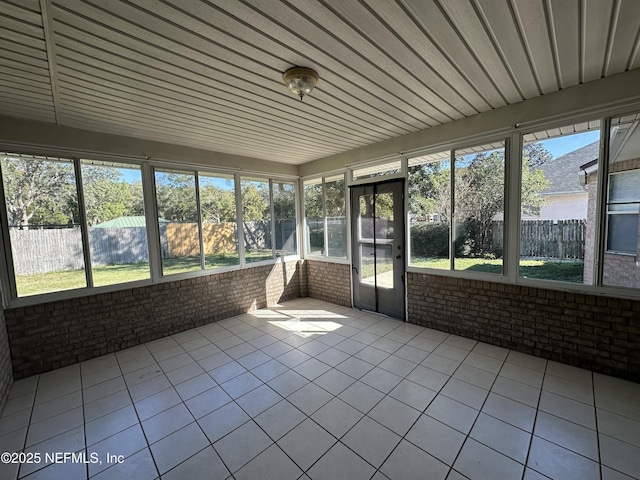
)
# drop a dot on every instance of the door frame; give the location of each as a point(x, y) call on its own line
point(399, 205)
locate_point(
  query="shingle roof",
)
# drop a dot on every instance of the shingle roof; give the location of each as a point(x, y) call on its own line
point(137, 221)
point(563, 172)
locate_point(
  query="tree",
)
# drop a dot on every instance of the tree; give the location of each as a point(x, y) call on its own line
point(479, 196)
point(313, 201)
point(429, 186)
point(284, 201)
point(479, 191)
point(39, 191)
point(255, 201)
point(535, 154)
point(176, 195)
point(106, 195)
point(217, 205)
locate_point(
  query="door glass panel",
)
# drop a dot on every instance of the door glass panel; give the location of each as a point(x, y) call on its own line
point(384, 266)
point(367, 264)
point(365, 233)
point(384, 240)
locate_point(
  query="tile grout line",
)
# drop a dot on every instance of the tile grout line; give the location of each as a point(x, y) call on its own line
point(26, 434)
point(595, 414)
point(467, 435)
point(535, 421)
point(148, 446)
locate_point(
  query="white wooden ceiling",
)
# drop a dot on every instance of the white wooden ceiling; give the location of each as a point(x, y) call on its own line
point(207, 74)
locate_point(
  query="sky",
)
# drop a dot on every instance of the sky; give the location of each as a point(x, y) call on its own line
point(556, 146)
point(568, 143)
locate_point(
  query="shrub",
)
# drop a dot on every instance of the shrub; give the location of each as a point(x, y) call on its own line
point(430, 240)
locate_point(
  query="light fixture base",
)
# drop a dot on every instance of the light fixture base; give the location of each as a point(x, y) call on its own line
point(300, 80)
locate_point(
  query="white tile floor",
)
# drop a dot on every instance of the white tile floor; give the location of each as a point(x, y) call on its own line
point(309, 389)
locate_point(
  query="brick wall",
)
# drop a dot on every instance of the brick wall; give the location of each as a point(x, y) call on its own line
point(6, 371)
point(51, 335)
point(329, 281)
point(599, 333)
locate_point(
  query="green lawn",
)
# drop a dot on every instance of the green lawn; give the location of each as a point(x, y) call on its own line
point(540, 269)
point(113, 274)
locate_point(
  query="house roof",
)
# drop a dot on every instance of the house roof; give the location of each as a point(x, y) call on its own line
point(133, 221)
point(563, 171)
point(208, 75)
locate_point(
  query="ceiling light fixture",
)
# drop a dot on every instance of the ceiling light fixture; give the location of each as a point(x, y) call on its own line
point(300, 80)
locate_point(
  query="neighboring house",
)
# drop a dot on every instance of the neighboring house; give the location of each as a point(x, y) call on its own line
point(621, 265)
point(566, 198)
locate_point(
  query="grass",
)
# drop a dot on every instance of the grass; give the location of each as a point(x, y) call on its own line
point(113, 274)
point(539, 269)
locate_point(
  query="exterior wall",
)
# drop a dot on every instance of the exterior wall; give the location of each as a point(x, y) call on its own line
point(565, 207)
point(6, 371)
point(590, 237)
point(621, 270)
point(329, 281)
point(52, 335)
point(598, 333)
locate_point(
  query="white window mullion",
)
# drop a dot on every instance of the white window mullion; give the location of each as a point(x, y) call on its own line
point(151, 217)
point(239, 220)
point(272, 211)
point(452, 205)
point(199, 217)
point(511, 224)
point(599, 240)
point(7, 276)
point(84, 230)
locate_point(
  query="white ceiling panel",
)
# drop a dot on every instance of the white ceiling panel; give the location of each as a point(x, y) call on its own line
point(208, 73)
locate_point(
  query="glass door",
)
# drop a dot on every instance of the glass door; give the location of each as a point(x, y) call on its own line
point(378, 247)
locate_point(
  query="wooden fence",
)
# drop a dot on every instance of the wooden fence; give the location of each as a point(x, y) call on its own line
point(38, 251)
point(561, 239)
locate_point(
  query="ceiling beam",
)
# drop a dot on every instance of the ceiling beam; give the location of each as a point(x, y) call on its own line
point(47, 23)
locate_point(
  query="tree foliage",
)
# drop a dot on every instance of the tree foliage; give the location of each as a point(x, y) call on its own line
point(255, 201)
point(108, 196)
point(39, 191)
point(479, 191)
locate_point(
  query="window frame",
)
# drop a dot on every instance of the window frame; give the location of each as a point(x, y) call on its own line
point(147, 167)
point(325, 257)
point(610, 213)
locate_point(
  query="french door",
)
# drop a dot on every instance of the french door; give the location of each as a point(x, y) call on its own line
point(378, 246)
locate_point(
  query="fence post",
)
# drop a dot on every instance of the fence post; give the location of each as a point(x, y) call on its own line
point(560, 239)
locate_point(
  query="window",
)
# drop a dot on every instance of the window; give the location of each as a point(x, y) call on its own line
point(479, 208)
point(178, 221)
point(284, 208)
point(256, 219)
point(336, 216)
point(554, 202)
point(620, 263)
point(429, 186)
point(622, 212)
point(314, 217)
point(388, 168)
point(219, 227)
point(114, 207)
point(325, 217)
point(44, 223)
